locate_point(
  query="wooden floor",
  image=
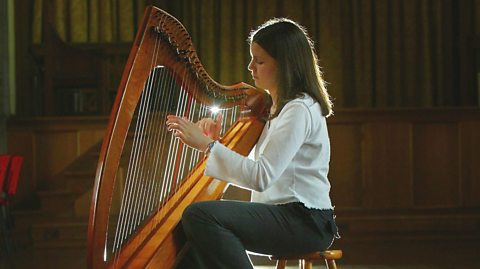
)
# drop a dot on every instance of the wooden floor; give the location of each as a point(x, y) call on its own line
point(402, 254)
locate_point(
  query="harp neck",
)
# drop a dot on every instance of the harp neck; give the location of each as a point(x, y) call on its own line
point(252, 101)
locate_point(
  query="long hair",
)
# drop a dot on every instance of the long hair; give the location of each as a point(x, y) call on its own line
point(298, 70)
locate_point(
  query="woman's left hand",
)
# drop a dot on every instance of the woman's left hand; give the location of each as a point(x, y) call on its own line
point(188, 132)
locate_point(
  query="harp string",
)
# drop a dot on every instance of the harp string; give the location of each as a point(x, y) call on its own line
point(161, 144)
point(152, 148)
point(194, 155)
point(189, 113)
point(157, 151)
point(125, 223)
point(166, 157)
point(164, 79)
point(142, 177)
point(174, 151)
point(154, 132)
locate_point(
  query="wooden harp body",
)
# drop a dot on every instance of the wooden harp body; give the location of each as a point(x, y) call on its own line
point(145, 177)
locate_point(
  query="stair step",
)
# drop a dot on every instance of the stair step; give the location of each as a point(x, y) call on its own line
point(95, 153)
point(75, 184)
point(62, 232)
point(39, 215)
point(47, 193)
point(80, 173)
point(68, 232)
point(84, 165)
point(57, 200)
point(25, 218)
point(61, 244)
point(28, 221)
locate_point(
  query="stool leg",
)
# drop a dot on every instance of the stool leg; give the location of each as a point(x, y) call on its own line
point(281, 264)
point(308, 264)
point(330, 264)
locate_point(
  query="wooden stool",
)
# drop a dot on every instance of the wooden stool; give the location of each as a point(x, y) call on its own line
point(305, 261)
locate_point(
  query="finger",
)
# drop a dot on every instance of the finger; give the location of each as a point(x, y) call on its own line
point(173, 122)
point(209, 128)
point(185, 121)
point(172, 127)
point(171, 119)
point(179, 134)
point(203, 127)
point(179, 121)
point(219, 118)
point(218, 124)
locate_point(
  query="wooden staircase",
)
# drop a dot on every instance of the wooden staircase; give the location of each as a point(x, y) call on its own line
point(57, 216)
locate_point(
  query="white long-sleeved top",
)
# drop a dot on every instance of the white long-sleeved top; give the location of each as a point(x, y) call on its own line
point(291, 159)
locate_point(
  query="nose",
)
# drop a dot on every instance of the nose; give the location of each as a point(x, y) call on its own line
point(250, 65)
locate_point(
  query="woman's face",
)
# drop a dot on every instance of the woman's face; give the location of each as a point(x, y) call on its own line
point(263, 68)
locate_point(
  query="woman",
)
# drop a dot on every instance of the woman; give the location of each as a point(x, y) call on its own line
point(291, 211)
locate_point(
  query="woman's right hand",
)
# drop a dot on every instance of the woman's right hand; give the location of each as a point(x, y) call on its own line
point(211, 127)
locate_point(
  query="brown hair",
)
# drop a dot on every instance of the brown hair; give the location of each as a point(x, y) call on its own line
point(298, 70)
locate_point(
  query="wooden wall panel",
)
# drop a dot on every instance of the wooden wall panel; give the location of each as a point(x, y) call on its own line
point(345, 173)
point(387, 163)
point(394, 173)
point(436, 165)
point(415, 175)
point(470, 163)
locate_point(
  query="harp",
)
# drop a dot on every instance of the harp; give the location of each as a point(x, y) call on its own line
point(145, 177)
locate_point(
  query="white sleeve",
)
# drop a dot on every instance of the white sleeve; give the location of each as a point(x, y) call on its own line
point(291, 130)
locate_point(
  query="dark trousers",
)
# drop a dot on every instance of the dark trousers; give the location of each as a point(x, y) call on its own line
point(220, 232)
